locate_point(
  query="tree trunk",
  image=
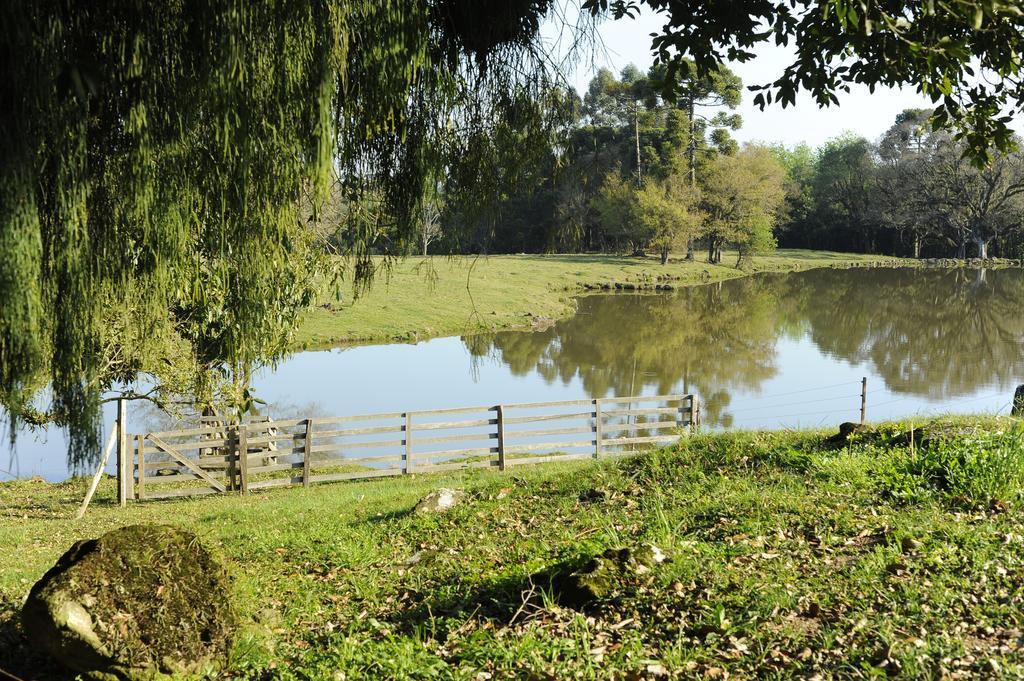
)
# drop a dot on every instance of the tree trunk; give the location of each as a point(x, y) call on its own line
point(691, 148)
point(917, 246)
point(636, 124)
point(691, 163)
point(982, 245)
point(664, 256)
point(714, 251)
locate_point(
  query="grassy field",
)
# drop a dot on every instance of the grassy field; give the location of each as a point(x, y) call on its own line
point(787, 558)
point(421, 298)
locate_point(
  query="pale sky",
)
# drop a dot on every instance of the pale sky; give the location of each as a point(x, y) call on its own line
point(867, 114)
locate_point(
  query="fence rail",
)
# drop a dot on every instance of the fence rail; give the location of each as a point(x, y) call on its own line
point(218, 458)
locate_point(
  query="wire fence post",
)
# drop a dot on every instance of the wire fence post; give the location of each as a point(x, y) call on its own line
point(863, 399)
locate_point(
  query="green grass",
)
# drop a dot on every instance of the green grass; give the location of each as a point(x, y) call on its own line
point(421, 298)
point(972, 470)
point(787, 559)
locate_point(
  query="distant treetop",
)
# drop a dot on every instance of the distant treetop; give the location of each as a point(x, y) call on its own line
point(965, 55)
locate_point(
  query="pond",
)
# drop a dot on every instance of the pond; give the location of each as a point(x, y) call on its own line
point(768, 351)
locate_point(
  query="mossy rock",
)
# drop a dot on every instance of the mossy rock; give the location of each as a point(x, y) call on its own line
point(850, 432)
point(602, 575)
point(141, 602)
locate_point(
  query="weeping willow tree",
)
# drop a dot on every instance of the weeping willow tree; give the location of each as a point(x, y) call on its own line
point(154, 157)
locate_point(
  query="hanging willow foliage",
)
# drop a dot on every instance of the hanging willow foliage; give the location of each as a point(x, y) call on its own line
point(160, 147)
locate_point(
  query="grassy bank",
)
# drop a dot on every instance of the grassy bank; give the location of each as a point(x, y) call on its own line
point(422, 298)
point(787, 558)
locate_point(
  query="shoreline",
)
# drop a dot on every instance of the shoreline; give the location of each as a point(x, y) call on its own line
point(421, 299)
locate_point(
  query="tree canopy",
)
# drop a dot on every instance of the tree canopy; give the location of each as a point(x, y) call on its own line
point(154, 158)
point(963, 54)
point(912, 192)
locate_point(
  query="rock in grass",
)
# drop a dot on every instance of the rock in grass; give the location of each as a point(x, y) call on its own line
point(441, 500)
point(137, 603)
point(849, 429)
point(603, 574)
point(847, 432)
point(909, 545)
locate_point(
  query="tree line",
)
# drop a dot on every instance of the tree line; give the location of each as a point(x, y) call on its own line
point(635, 171)
point(914, 192)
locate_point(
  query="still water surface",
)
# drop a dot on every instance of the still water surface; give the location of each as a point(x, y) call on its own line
point(769, 351)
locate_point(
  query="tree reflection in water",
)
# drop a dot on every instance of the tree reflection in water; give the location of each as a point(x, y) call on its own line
point(935, 334)
point(928, 333)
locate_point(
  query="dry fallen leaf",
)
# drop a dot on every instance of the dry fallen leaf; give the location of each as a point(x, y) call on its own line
point(656, 670)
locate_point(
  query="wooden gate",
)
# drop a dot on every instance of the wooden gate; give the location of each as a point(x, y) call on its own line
point(215, 458)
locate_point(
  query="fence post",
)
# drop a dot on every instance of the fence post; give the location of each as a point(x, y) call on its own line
point(124, 464)
point(694, 412)
point(501, 437)
point(863, 398)
point(242, 442)
point(599, 428)
point(141, 439)
point(307, 454)
point(408, 443)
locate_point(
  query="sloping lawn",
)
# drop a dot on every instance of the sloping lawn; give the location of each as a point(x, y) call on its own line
point(786, 558)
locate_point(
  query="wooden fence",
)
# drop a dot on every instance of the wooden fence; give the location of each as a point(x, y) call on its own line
point(218, 458)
